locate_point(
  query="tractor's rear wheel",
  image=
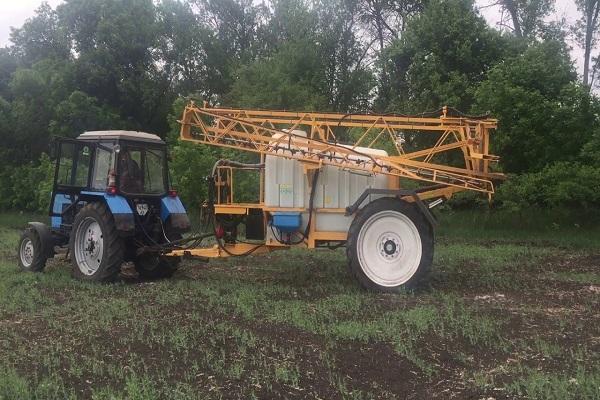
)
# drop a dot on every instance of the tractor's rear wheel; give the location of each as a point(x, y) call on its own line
point(390, 245)
point(31, 257)
point(95, 246)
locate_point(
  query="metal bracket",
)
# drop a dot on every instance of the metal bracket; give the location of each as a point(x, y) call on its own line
point(398, 193)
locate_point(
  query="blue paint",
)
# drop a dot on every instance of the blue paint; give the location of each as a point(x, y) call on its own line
point(170, 205)
point(287, 221)
point(55, 222)
point(59, 200)
point(117, 204)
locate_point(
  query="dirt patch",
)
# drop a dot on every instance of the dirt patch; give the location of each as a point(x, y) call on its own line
point(379, 366)
point(574, 263)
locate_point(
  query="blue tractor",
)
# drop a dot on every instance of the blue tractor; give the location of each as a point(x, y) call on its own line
point(111, 204)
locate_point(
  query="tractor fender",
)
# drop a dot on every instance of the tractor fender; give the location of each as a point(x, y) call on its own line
point(45, 236)
point(118, 206)
point(173, 213)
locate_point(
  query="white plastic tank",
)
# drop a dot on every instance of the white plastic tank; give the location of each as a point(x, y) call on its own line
point(286, 186)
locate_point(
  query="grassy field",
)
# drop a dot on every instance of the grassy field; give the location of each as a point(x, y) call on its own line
point(510, 311)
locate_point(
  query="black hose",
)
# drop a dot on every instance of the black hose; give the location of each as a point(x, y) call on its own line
point(313, 190)
point(246, 253)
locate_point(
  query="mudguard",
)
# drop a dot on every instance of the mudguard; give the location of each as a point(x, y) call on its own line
point(118, 206)
point(173, 213)
point(46, 239)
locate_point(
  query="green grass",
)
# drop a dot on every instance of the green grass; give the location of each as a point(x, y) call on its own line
point(566, 228)
point(502, 314)
point(580, 384)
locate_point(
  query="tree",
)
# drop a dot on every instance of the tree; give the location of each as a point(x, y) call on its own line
point(293, 79)
point(117, 62)
point(193, 59)
point(79, 113)
point(586, 31)
point(348, 80)
point(545, 116)
point(441, 58)
point(41, 37)
point(238, 25)
point(526, 16)
point(35, 93)
point(8, 65)
point(323, 70)
point(384, 21)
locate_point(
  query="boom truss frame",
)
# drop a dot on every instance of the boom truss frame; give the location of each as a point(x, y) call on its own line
point(272, 133)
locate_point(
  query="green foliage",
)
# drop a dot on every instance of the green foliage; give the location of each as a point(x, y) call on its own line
point(544, 115)
point(442, 56)
point(189, 167)
point(80, 113)
point(110, 64)
point(8, 65)
point(41, 37)
point(291, 79)
point(570, 185)
point(535, 385)
point(591, 150)
point(315, 62)
point(36, 92)
point(27, 187)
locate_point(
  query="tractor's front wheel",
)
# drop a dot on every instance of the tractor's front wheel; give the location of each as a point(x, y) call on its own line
point(390, 245)
point(95, 246)
point(31, 257)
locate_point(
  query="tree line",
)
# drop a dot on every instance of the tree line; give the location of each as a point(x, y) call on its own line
point(130, 64)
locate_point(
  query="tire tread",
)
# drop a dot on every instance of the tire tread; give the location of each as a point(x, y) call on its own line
point(39, 259)
point(113, 244)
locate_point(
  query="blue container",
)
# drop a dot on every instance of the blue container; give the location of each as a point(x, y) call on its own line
point(287, 221)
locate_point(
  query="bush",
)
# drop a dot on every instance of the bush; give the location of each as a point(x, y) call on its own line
point(27, 187)
point(564, 184)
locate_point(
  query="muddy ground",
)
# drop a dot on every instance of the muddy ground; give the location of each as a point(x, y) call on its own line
point(497, 319)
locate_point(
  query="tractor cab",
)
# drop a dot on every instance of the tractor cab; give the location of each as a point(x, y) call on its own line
point(111, 202)
point(117, 165)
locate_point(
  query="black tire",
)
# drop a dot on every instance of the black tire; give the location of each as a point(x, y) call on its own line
point(390, 206)
point(151, 266)
point(112, 244)
point(29, 252)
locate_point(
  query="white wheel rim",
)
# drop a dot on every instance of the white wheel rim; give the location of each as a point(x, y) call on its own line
point(26, 252)
point(389, 248)
point(89, 246)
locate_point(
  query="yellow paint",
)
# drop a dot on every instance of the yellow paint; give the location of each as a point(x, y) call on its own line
point(261, 131)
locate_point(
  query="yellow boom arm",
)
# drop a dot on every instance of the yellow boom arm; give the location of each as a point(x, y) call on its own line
point(272, 133)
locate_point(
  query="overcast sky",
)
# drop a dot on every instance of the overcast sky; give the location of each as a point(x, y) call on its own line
point(15, 12)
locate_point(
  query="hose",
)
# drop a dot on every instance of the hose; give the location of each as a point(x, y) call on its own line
point(236, 164)
point(211, 202)
point(311, 200)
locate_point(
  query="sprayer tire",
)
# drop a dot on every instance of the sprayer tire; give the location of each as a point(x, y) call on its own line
point(390, 245)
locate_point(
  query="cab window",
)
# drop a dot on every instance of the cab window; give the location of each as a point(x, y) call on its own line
point(142, 170)
point(102, 167)
point(73, 164)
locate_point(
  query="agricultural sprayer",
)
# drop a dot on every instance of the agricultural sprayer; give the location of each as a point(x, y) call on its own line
point(365, 182)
